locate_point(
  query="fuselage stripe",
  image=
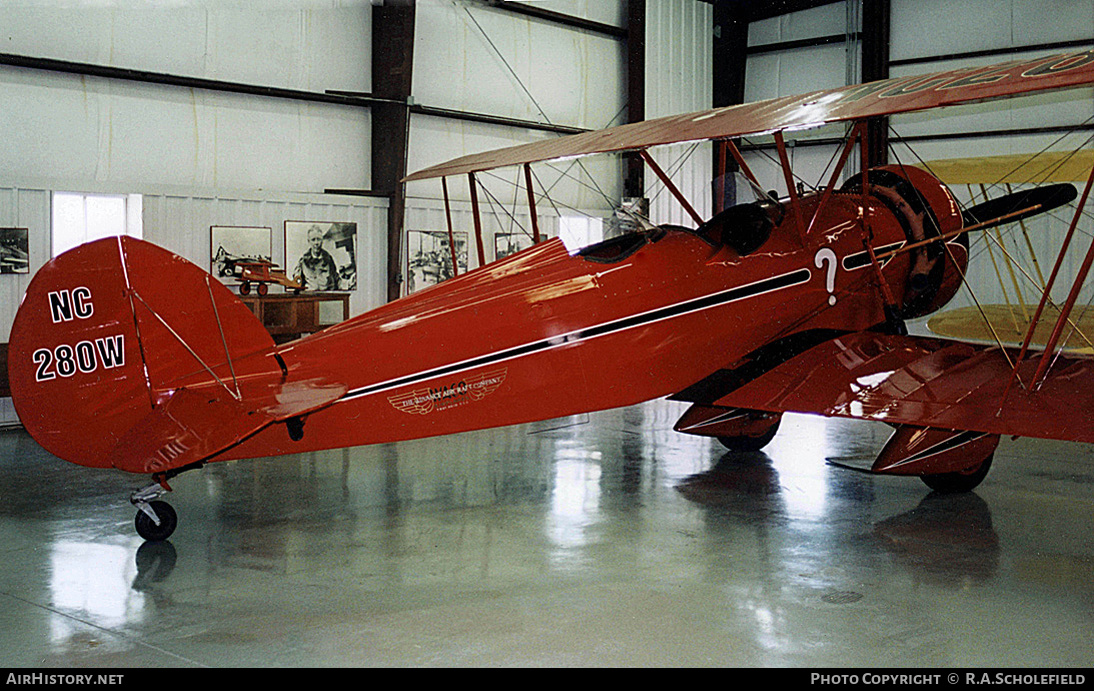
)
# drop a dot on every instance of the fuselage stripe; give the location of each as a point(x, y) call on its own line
point(767, 285)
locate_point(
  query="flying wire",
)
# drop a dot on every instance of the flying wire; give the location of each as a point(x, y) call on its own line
point(526, 91)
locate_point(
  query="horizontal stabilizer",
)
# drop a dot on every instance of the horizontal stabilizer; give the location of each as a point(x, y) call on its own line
point(196, 424)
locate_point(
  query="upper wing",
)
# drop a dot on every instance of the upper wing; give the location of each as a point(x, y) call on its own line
point(885, 97)
point(924, 382)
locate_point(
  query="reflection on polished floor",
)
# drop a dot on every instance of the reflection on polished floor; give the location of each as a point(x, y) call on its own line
point(605, 539)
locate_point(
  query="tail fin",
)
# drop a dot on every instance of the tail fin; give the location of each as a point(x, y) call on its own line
point(108, 330)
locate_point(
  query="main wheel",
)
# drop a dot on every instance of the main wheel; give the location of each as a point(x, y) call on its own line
point(148, 529)
point(960, 481)
point(743, 443)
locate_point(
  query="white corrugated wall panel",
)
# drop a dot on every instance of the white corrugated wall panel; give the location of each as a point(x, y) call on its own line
point(942, 27)
point(473, 58)
point(679, 54)
point(61, 126)
point(296, 44)
point(181, 222)
point(21, 207)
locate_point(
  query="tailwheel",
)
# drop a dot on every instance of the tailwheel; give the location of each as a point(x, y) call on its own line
point(742, 443)
point(156, 521)
point(959, 481)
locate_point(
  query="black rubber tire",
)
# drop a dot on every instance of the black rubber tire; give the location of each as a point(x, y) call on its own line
point(148, 529)
point(743, 444)
point(952, 483)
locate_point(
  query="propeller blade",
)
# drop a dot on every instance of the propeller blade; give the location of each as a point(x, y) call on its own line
point(1044, 198)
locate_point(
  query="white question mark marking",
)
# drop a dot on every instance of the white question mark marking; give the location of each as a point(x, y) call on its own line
point(826, 254)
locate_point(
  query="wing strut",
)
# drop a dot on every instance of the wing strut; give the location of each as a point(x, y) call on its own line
point(1045, 296)
point(1057, 330)
point(791, 189)
point(742, 164)
point(892, 311)
point(844, 156)
point(478, 220)
point(451, 235)
point(671, 187)
point(531, 203)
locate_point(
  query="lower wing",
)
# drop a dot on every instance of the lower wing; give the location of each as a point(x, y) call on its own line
point(925, 382)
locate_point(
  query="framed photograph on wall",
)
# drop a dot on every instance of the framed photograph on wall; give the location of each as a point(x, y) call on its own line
point(14, 251)
point(429, 259)
point(321, 255)
point(231, 244)
point(510, 243)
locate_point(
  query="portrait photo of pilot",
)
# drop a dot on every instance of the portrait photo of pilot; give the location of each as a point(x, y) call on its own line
point(322, 256)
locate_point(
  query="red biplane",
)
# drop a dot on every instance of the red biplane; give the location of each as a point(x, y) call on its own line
point(767, 307)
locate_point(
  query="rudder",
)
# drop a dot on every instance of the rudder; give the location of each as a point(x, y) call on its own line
point(107, 330)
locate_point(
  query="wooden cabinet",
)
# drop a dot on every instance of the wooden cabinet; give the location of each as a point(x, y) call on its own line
point(288, 316)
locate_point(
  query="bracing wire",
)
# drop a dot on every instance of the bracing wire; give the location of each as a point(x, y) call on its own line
point(1036, 177)
point(527, 92)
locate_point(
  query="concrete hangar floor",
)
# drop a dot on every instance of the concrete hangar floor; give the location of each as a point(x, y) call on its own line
point(598, 540)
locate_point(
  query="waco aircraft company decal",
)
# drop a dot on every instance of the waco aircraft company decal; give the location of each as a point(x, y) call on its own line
point(450, 394)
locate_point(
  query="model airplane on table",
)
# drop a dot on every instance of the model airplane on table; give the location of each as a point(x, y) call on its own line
point(262, 274)
point(767, 307)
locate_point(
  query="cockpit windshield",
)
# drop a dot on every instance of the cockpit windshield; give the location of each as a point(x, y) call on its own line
point(745, 224)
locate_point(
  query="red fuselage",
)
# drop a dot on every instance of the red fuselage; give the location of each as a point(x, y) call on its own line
point(544, 334)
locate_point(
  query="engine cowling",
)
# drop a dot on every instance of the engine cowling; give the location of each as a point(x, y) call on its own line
point(925, 209)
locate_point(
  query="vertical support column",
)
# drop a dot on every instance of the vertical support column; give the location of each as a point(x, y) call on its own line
point(392, 63)
point(720, 176)
point(634, 181)
point(730, 57)
point(875, 66)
